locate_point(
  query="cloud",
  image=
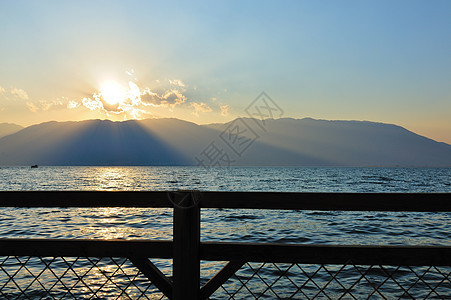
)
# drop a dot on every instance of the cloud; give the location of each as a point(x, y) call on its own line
point(177, 82)
point(51, 105)
point(73, 104)
point(200, 107)
point(224, 110)
point(169, 98)
point(132, 102)
point(114, 108)
point(13, 93)
point(92, 104)
point(32, 107)
point(45, 105)
point(19, 93)
point(129, 102)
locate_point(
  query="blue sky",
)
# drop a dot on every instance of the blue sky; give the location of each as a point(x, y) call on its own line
point(386, 61)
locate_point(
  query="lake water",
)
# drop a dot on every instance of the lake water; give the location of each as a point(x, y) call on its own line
point(228, 179)
point(311, 227)
point(230, 225)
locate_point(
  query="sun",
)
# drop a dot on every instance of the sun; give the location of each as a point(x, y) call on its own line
point(112, 92)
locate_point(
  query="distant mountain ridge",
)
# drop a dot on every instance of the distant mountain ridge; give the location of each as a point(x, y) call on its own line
point(271, 142)
point(8, 128)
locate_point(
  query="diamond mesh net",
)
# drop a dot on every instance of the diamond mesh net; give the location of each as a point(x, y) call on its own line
point(348, 281)
point(34, 277)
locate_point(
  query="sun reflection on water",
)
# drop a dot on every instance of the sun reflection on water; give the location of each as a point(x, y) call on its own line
point(114, 178)
point(126, 223)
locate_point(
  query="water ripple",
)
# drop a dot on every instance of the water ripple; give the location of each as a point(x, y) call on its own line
point(225, 224)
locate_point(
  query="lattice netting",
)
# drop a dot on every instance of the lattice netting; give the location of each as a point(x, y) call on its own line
point(296, 281)
point(117, 278)
point(73, 278)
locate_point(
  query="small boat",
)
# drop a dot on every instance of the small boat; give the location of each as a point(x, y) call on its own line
point(34, 166)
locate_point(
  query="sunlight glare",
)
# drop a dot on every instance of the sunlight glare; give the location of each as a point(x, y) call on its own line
point(112, 93)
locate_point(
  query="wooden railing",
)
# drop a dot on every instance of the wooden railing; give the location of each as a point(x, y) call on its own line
point(421, 202)
point(187, 251)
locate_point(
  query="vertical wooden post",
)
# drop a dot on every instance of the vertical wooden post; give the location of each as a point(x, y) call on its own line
point(186, 240)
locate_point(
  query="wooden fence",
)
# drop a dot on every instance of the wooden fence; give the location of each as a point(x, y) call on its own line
point(187, 251)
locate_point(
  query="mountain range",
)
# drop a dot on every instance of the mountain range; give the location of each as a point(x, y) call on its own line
point(8, 128)
point(241, 142)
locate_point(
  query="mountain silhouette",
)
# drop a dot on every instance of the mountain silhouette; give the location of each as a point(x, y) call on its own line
point(8, 128)
point(246, 142)
point(92, 142)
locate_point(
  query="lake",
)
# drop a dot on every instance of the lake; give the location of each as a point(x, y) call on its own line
point(310, 227)
point(230, 225)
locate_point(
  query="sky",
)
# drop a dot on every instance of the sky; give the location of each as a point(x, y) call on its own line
point(384, 61)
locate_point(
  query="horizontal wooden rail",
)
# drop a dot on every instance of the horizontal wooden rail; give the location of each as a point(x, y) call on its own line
point(85, 248)
point(83, 199)
point(328, 254)
point(249, 252)
point(424, 202)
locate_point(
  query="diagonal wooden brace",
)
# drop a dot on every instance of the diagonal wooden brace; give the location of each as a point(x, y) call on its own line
point(220, 278)
point(153, 274)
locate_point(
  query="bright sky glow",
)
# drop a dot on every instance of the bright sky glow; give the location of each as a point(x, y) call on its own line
point(386, 61)
point(112, 93)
